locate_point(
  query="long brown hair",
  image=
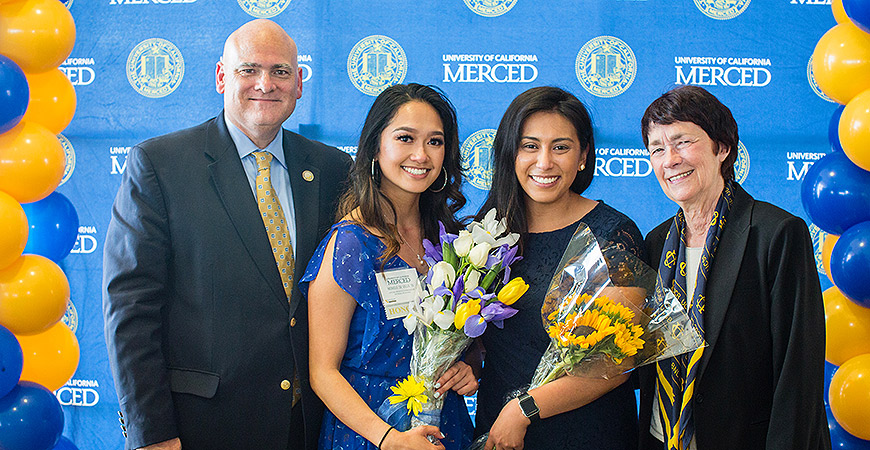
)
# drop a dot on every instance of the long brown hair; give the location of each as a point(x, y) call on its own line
point(364, 190)
point(506, 194)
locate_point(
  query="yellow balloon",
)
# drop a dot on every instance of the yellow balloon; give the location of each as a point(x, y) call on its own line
point(854, 130)
point(33, 295)
point(31, 162)
point(839, 13)
point(850, 396)
point(13, 229)
point(50, 357)
point(841, 62)
point(847, 326)
point(827, 248)
point(37, 34)
point(52, 100)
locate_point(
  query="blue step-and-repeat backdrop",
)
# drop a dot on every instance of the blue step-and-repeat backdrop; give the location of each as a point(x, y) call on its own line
point(142, 68)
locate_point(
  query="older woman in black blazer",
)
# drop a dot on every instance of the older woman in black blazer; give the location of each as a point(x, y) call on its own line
point(745, 271)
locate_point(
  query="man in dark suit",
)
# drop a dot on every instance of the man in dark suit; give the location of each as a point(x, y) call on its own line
point(207, 335)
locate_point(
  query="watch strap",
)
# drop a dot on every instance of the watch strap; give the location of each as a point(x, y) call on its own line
point(529, 407)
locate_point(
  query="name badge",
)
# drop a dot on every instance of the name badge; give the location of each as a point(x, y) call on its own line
point(398, 288)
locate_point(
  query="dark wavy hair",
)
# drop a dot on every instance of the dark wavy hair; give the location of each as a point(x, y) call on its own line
point(506, 194)
point(364, 190)
point(696, 105)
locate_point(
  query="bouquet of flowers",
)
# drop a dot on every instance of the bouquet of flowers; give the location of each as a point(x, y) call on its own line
point(467, 287)
point(605, 316)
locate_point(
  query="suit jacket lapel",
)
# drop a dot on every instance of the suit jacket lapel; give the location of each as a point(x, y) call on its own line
point(233, 188)
point(726, 267)
point(306, 200)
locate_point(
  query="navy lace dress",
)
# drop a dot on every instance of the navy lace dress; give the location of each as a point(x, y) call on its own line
point(378, 350)
point(513, 353)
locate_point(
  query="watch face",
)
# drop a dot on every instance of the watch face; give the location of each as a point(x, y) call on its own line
point(528, 405)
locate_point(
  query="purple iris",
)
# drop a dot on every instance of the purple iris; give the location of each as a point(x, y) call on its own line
point(475, 326)
point(458, 288)
point(509, 258)
point(433, 253)
point(497, 312)
point(442, 291)
point(479, 293)
point(444, 235)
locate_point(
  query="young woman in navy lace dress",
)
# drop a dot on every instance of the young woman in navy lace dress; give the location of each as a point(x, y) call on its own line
point(544, 158)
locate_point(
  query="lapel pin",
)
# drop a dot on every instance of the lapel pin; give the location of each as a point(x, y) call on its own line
point(307, 175)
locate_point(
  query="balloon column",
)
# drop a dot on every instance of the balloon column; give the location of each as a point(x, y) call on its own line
point(836, 195)
point(38, 353)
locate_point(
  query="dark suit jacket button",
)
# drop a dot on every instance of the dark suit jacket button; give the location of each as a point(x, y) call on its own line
point(293, 322)
point(699, 398)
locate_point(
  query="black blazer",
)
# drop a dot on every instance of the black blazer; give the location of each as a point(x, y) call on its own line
point(760, 381)
point(199, 331)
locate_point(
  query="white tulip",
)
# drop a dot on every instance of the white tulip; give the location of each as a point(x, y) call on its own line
point(479, 254)
point(472, 280)
point(443, 274)
point(462, 244)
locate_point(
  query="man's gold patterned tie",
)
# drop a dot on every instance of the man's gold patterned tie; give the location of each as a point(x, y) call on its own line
point(276, 229)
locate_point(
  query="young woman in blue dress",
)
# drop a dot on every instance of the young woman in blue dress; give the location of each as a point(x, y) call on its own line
point(405, 179)
point(543, 160)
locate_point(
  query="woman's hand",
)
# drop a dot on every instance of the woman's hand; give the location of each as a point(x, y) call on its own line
point(458, 377)
point(509, 430)
point(415, 438)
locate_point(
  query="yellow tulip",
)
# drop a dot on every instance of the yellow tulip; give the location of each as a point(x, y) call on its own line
point(464, 311)
point(512, 291)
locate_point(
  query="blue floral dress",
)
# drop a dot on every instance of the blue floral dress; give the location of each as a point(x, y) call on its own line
point(378, 350)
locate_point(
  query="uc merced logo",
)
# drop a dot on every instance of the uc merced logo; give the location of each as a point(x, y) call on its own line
point(606, 66)
point(71, 317)
point(155, 67)
point(818, 237)
point(476, 155)
point(490, 8)
point(264, 9)
point(741, 165)
point(70, 157)
point(722, 9)
point(376, 63)
point(811, 78)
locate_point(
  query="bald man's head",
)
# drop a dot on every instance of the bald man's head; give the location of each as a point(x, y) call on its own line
point(259, 79)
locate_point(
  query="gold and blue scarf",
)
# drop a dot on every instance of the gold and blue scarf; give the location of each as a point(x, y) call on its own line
point(676, 376)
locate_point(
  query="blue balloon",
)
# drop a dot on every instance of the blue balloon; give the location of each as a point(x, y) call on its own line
point(14, 94)
point(836, 193)
point(850, 263)
point(54, 226)
point(64, 444)
point(30, 418)
point(841, 439)
point(11, 361)
point(830, 369)
point(834, 129)
point(859, 12)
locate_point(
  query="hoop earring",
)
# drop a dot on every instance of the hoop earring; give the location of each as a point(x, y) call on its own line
point(373, 168)
point(445, 181)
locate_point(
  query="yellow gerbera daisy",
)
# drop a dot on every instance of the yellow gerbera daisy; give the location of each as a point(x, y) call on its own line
point(412, 391)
